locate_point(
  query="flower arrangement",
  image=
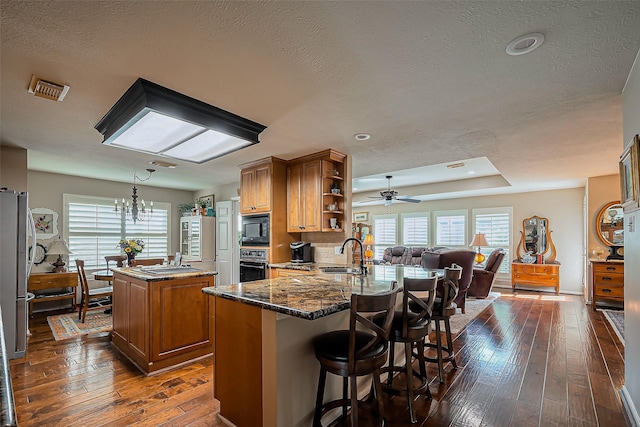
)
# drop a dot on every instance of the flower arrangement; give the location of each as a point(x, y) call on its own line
point(131, 246)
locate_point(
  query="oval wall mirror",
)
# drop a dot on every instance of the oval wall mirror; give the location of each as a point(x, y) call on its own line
point(610, 224)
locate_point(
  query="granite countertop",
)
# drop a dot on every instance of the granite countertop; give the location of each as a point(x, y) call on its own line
point(155, 273)
point(315, 295)
point(302, 266)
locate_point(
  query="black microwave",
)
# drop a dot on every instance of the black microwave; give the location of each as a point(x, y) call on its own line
point(255, 230)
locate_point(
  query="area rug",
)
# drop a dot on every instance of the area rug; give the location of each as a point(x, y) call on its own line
point(65, 326)
point(473, 308)
point(616, 318)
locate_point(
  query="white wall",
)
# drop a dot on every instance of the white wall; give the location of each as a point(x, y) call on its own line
point(563, 208)
point(631, 125)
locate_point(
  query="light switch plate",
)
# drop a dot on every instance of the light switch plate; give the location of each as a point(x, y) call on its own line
point(336, 250)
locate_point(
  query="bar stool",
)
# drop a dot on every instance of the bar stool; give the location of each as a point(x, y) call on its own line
point(353, 353)
point(410, 327)
point(443, 309)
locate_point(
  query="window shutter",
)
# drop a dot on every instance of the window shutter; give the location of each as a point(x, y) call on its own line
point(450, 230)
point(385, 229)
point(415, 230)
point(496, 228)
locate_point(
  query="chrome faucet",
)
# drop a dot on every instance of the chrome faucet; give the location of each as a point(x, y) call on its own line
point(363, 269)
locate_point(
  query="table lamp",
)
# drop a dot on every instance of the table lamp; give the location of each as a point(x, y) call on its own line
point(479, 240)
point(59, 247)
point(368, 241)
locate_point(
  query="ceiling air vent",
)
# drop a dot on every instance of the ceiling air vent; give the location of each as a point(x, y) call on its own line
point(48, 90)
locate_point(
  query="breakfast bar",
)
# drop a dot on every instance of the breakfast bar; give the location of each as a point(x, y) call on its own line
point(161, 319)
point(265, 370)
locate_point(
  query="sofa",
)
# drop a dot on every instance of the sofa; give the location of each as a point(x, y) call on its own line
point(406, 255)
point(483, 278)
point(444, 257)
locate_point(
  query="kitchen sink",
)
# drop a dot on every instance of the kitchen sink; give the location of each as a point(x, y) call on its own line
point(340, 270)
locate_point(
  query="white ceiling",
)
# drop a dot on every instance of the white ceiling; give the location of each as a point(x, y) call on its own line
point(430, 81)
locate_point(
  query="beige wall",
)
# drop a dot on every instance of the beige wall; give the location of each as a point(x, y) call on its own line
point(631, 125)
point(46, 190)
point(563, 208)
point(13, 168)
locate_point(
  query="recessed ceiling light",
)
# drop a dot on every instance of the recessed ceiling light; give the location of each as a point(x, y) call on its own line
point(361, 136)
point(525, 44)
point(471, 173)
point(455, 165)
point(163, 164)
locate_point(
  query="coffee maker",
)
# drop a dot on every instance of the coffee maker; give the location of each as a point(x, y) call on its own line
point(300, 252)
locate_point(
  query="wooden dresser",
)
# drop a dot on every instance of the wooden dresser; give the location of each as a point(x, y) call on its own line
point(607, 280)
point(52, 287)
point(539, 275)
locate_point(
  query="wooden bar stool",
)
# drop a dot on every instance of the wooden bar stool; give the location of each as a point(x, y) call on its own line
point(353, 353)
point(410, 327)
point(443, 309)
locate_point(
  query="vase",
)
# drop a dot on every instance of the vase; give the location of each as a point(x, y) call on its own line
point(131, 259)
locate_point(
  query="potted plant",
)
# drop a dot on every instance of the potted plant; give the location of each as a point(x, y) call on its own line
point(203, 207)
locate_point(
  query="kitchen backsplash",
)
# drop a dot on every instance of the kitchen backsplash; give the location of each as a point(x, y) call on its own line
point(324, 253)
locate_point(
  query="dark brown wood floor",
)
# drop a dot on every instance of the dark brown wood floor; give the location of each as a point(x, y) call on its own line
point(528, 360)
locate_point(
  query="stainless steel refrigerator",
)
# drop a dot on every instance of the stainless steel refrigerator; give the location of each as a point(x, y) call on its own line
point(16, 223)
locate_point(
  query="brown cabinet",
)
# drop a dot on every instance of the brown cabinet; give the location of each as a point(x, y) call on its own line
point(159, 324)
point(315, 193)
point(287, 272)
point(304, 196)
point(607, 279)
point(539, 275)
point(255, 189)
point(52, 287)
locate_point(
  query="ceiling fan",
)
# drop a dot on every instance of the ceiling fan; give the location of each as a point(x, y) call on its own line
point(390, 195)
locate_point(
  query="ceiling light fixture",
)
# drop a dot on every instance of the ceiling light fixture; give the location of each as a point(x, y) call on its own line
point(134, 214)
point(361, 136)
point(153, 119)
point(525, 44)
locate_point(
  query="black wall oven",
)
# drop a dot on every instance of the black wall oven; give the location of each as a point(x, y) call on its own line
point(255, 230)
point(253, 264)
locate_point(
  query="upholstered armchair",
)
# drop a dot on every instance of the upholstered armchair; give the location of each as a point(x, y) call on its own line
point(483, 278)
point(444, 257)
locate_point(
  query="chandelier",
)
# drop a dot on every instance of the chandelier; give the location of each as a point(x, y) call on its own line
point(135, 212)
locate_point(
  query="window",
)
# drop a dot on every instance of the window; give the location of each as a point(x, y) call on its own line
point(451, 228)
point(495, 224)
point(415, 229)
point(93, 230)
point(385, 232)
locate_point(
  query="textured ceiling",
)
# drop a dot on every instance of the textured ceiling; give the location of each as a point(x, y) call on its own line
point(430, 81)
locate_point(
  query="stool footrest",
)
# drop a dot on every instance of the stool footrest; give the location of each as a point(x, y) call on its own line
point(396, 391)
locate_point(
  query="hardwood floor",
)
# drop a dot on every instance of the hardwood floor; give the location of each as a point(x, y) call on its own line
point(528, 360)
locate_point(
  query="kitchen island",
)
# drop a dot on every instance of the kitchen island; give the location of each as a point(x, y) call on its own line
point(161, 319)
point(265, 370)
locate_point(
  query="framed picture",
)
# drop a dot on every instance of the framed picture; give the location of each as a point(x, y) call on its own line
point(360, 216)
point(46, 223)
point(208, 200)
point(630, 176)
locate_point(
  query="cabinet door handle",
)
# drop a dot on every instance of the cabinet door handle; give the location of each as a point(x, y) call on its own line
point(611, 269)
point(606, 279)
point(606, 291)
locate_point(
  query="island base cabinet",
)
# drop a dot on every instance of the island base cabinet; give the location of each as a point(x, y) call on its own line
point(265, 369)
point(159, 325)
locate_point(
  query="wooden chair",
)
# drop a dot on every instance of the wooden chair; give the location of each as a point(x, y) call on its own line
point(353, 353)
point(118, 259)
point(148, 261)
point(410, 326)
point(445, 307)
point(91, 294)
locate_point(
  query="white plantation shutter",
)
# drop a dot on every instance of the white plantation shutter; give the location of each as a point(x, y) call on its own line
point(495, 224)
point(450, 228)
point(385, 232)
point(415, 229)
point(93, 230)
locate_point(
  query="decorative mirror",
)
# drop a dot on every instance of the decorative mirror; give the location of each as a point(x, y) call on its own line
point(535, 238)
point(610, 228)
